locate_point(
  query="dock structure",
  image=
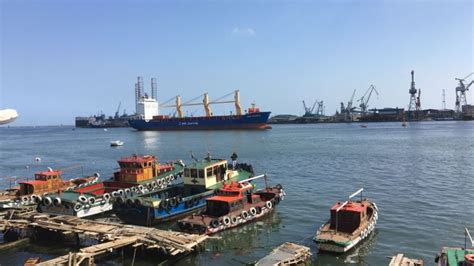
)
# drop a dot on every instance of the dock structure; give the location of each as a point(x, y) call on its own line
point(110, 236)
point(401, 260)
point(286, 254)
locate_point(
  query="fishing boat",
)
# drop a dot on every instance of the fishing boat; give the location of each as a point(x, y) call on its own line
point(236, 203)
point(137, 175)
point(200, 180)
point(350, 223)
point(32, 192)
point(457, 256)
point(116, 143)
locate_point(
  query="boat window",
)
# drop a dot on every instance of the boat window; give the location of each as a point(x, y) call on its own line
point(209, 171)
point(186, 172)
point(193, 173)
point(217, 208)
point(214, 170)
point(201, 173)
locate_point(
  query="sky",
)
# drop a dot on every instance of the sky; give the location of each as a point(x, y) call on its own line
point(61, 59)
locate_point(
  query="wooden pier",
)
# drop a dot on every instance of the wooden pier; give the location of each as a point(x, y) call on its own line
point(401, 260)
point(110, 236)
point(286, 254)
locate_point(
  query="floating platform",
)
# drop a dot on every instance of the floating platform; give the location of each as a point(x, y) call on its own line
point(286, 254)
point(401, 260)
point(110, 236)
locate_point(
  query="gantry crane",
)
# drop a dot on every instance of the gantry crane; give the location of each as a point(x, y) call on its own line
point(461, 92)
point(364, 100)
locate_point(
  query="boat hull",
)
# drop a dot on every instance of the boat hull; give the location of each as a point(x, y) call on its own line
point(256, 120)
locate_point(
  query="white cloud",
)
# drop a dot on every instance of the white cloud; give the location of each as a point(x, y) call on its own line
point(244, 31)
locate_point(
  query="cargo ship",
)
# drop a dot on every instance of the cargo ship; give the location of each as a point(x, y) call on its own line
point(148, 118)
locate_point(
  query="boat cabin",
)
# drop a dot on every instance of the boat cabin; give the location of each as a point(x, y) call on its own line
point(349, 217)
point(202, 175)
point(137, 168)
point(230, 198)
point(44, 182)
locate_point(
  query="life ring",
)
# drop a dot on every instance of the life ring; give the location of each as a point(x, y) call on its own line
point(38, 199)
point(33, 197)
point(134, 189)
point(179, 199)
point(164, 204)
point(141, 188)
point(47, 201)
point(167, 179)
point(173, 202)
point(106, 196)
point(214, 223)
point(149, 186)
point(244, 215)
point(253, 211)
point(120, 192)
point(91, 200)
point(25, 199)
point(469, 258)
point(226, 220)
point(233, 219)
point(159, 182)
point(138, 202)
point(82, 198)
point(127, 191)
point(269, 204)
point(57, 201)
point(115, 194)
point(77, 207)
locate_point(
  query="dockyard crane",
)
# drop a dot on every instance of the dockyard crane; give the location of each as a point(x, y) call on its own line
point(308, 111)
point(117, 115)
point(364, 102)
point(461, 92)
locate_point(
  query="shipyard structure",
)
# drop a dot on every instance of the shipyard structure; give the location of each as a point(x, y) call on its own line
point(148, 116)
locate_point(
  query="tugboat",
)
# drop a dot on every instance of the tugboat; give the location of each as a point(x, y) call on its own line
point(201, 179)
point(137, 175)
point(234, 204)
point(350, 223)
point(32, 192)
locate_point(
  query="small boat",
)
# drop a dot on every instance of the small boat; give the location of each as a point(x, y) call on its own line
point(363, 126)
point(234, 204)
point(350, 223)
point(457, 256)
point(137, 175)
point(31, 192)
point(404, 124)
point(200, 180)
point(116, 143)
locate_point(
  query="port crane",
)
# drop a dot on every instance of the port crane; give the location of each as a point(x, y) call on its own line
point(364, 100)
point(117, 115)
point(310, 111)
point(461, 92)
point(347, 110)
point(205, 102)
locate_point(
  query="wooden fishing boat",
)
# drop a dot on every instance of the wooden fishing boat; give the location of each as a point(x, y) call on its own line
point(350, 223)
point(234, 204)
point(32, 191)
point(137, 175)
point(200, 180)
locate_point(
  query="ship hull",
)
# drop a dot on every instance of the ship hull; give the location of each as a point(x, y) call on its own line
point(256, 120)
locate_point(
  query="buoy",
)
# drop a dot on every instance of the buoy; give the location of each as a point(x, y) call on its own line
point(38, 159)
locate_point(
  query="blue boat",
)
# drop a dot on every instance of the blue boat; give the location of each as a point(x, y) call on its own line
point(200, 181)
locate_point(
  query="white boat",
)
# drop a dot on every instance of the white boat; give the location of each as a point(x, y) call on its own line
point(7, 116)
point(116, 143)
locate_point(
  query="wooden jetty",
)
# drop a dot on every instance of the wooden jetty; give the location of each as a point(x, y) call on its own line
point(286, 254)
point(401, 260)
point(110, 236)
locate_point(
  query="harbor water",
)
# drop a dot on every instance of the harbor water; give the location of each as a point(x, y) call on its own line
point(421, 177)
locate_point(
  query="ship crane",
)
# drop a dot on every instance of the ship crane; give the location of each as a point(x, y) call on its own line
point(461, 92)
point(364, 102)
point(206, 103)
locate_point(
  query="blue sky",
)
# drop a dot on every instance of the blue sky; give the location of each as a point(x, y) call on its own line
point(61, 59)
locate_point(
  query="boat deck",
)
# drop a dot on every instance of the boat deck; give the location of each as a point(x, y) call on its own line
point(286, 254)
